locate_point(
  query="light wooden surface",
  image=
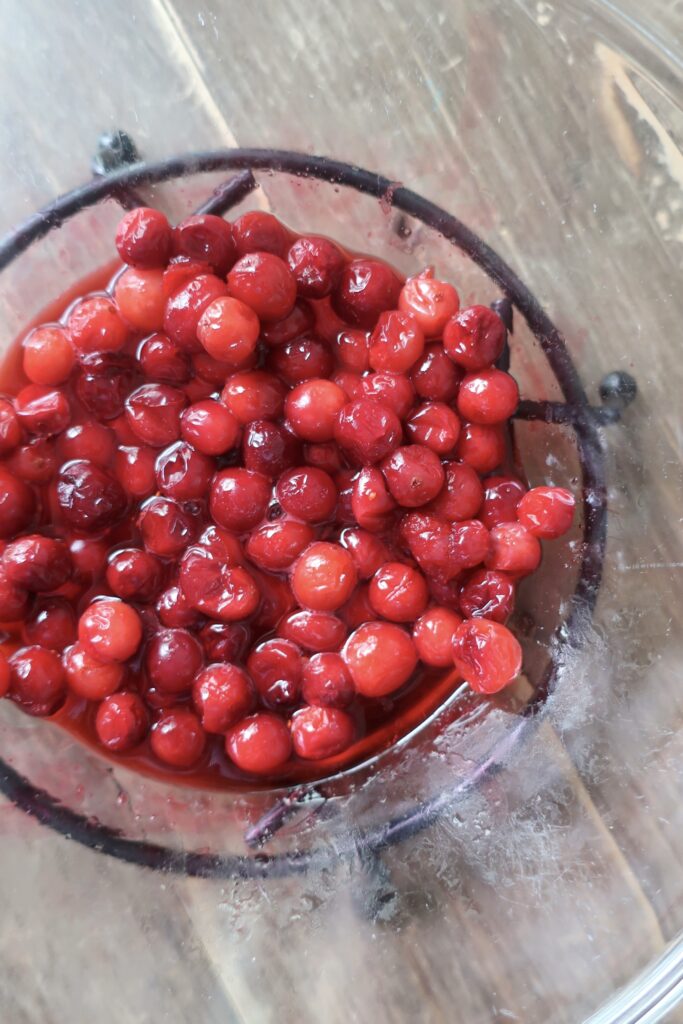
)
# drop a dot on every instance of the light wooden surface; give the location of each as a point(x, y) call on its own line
point(559, 880)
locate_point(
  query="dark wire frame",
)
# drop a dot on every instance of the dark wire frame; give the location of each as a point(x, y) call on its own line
point(576, 412)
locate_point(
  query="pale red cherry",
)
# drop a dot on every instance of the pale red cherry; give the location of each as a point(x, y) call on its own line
point(398, 592)
point(177, 738)
point(486, 654)
point(461, 496)
point(326, 681)
point(369, 552)
point(140, 299)
point(48, 356)
point(431, 301)
point(367, 430)
point(433, 635)
point(121, 722)
point(352, 349)
point(238, 499)
point(318, 733)
point(414, 475)
point(313, 631)
point(547, 512)
point(166, 527)
point(434, 425)
point(381, 657)
point(312, 408)
point(393, 390)
point(89, 677)
point(396, 343)
point(94, 325)
point(184, 473)
point(474, 338)
point(274, 546)
point(260, 744)
point(42, 412)
point(513, 550)
point(185, 306)
point(143, 237)
point(371, 504)
point(110, 630)
point(222, 695)
point(153, 413)
point(90, 440)
point(307, 493)
point(226, 592)
point(489, 396)
point(323, 577)
point(210, 427)
point(265, 283)
point(228, 329)
point(254, 395)
point(482, 446)
point(258, 231)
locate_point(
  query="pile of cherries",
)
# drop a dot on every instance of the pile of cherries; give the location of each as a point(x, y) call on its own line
point(248, 489)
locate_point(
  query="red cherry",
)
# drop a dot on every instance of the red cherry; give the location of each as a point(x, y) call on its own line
point(184, 473)
point(470, 543)
point(277, 601)
point(358, 609)
point(238, 499)
point(398, 592)
point(265, 283)
point(166, 527)
point(258, 231)
point(88, 558)
point(433, 636)
point(208, 238)
point(254, 395)
point(92, 441)
point(153, 413)
point(366, 288)
point(140, 299)
point(103, 382)
point(134, 575)
point(10, 431)
point(316, 263)
point(161, 360)
point(17, 504)
point(37, 680)
point(307, 493)
point(318, 733)
point(224, 592)
point(488, 594)
point(323, 577)
point(135, 470)
point(367, 431)
point(368, 552)
point(381, 657)
point(180, 271)
point(414, 475)
point(502, 495)
point(228, 329)
point(94, 325)
point(269, 449)
point(313, 408)
point(481, 446)
point(275, 546)
point(434, 425)
point(352, 350)
point(547, 512)
point(175, 611)
point(462, 493)
point(299, 360)
point(326, 682)
point(42, 411)
point(37, 563)
point(209, 427)
point(225, 641)
point(52, 623)
point(432, 302)
point(513, 550)
point(276, 667)
point(314, 631)
point(435, 376)
point(474, 338)
point(172, 660)
point(186, 305)
point(121, 722)
point(222, 695)
point(324, 455)
point(396, 343)
point(48, 356)
point(259, 744)
point(486, 655)
point(5, 675)
point(88, 498)
point(110, 630)
point(14, 601)
point(35, 462)
point(87, 676)
point(393, 390)
point(430, 542)
point(143, 238)
point(350, 383)
point(296, 323)
point(177, 738)
point(489, 396)
point(222, 545)
point(371, 504)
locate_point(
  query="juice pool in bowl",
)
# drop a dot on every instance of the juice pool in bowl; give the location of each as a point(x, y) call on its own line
point(272, 483)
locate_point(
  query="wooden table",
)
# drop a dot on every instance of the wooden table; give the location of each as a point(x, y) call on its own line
point(552, 888)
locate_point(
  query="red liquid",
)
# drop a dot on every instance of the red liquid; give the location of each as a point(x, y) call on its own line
point(380, 723)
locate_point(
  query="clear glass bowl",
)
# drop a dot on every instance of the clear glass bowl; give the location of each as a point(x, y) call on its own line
point(552, 838)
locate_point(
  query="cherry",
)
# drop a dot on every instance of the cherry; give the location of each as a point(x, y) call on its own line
point(103, 382)
point(225, 641)
point(172, 660)
point(344, 481)
point(177, 738)
point(301, 359)
point(365, 289)
point(265, 283)
point(433, 636)
point(367, 430)
point(186, 305)
point(48, 356)
point(88, 558)
point(313, 408)
point(470, 543)
point(414, 475)
point(209, 427)
point(434, 425)
point(547, 512)
point(277, 601)
point(326, 681)
point(269, 449)
point(474, 338)
point(89, 499)
point(162, 361)
point(87, 676)
point(488, 594)
point(166, 527)
point(513, 550)
point(10, 429)
point(222, 545)
point(37, 563)
point(276, 667)
point(274, 546)
point(368, 552)
point(140, 299)
point(254, 395)
point(121, 722)
point(358, 609)
point(110, 630)
point(318, 732)
point(210, 374)
point(434, 376)
point(462, 493)
point(52, 623)
point(371, 504)
point(307, 493)
point(35, 462)
point(229, 329)
point(224, 592)
point(42, 411)
point(180, 271)
point(430, 542)
point(482, 446)
point(5, 675)
point(352, 349)
point(296, 323)
point(183, 473)
point(134, 575)
point(398, 592)
point(135, 471)
point(486, 655)
point(312, 630)
point(316, 263)
point(381, 657)
point(143, 238)
point(94, 325)
point(238, 499)
point(222, 695)
point(431, 302)
point(14, 601)
point(393, 390)
point(502, 495)
point(17, 504)
point(258, 231)
point(37, 680)
point(324, 455)
point(175, 611)
point(489, 396)
point(153, 413)
point(396, 343)
point(259, 744)
point(208, 238)
point(92, 441)
point(323, 577)
point(350, 383)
